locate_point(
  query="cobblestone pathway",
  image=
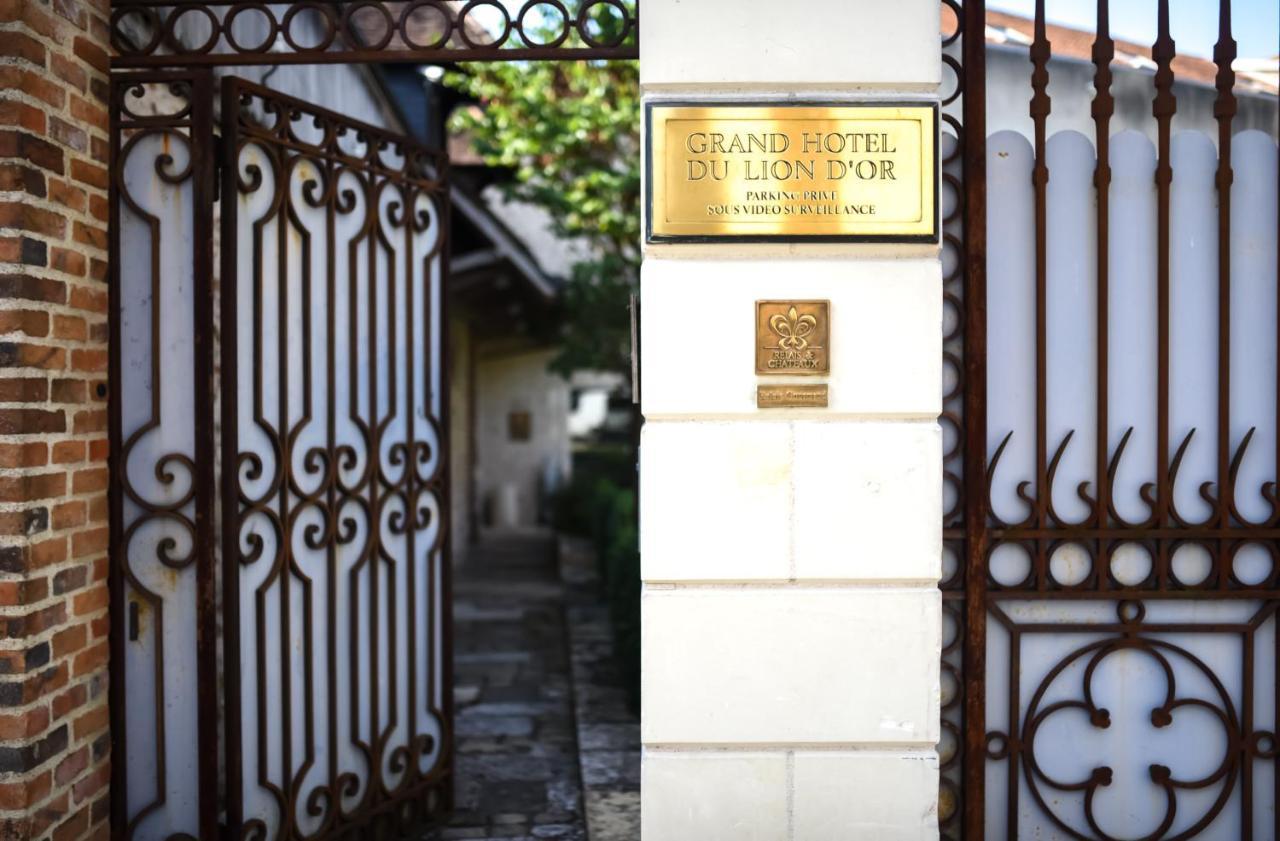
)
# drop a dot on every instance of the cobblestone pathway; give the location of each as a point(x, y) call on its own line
point(518, 774)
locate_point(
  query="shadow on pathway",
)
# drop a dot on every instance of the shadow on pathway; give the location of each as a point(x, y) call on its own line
point(519, 774)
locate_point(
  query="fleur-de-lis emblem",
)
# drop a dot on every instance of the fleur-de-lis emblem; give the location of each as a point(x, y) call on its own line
point(792, 329)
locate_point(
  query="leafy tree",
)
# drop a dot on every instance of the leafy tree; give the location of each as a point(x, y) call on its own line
point(569, 131)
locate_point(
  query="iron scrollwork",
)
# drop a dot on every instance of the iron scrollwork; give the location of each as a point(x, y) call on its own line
point(163, 677)
point(335, 453)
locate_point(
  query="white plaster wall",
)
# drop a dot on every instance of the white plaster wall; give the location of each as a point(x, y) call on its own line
point(803, 43)
point(520, 383)
point(820, 501)
point(880, 308)
point(769, 796)
point(790, 557)
point(887, 808)
point(714, 796)
point(791, 666)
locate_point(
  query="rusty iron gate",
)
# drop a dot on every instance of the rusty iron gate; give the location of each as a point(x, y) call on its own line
point(164, 654)
point(279, 475)
point(313, 362)
point(1112, 569)
point(1181, 604)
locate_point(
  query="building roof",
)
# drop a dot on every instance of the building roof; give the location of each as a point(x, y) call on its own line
point(498, 245)
point(1013, 30)
point(506, 244)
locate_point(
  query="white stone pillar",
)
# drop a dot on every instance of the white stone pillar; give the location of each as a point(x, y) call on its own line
point(790, 556)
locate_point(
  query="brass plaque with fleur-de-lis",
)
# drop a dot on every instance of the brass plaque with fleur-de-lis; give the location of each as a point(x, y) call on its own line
point(793, 337)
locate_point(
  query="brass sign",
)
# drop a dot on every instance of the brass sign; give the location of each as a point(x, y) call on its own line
point(792, 172)
point(791, 396)
point(793, 337)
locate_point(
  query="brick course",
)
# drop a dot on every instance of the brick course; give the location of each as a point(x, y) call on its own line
point(54, 745)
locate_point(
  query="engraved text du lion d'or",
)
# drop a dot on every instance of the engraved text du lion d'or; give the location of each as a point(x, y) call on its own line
point(793, 337)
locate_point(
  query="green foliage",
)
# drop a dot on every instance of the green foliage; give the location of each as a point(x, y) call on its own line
point(570, 133)
point(622, 585)
point(597, 331)
point(613, 461)
point(573, 508)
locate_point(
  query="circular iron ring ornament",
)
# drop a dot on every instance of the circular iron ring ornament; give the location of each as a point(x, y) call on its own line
point(585, 19)
point(148, 21)
point(446, 24)
point(170, 33)
point(229, 25)
point(329, 32)
point(389, 32)
point(499, 39)
point(563, 28)
point(1131, 613)
point(352, 29)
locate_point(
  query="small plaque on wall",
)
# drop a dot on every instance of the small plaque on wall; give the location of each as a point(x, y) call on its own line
point(519, 426)
point(791, 396)
point(792, 172)
point(793, 337)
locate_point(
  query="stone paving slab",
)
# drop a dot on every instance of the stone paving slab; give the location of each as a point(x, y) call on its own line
point(517, 769)
point(547, 748)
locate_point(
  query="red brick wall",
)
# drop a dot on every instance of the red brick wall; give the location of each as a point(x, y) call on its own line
point(54, 749)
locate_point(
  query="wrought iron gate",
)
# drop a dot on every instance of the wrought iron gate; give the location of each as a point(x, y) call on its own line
point(287, 413)
point(1113, 534)
point(324, 477)
point(322, 635)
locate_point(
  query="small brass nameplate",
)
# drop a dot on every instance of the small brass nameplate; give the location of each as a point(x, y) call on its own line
point(793, 337)
point(791, 396)
point(792, 172)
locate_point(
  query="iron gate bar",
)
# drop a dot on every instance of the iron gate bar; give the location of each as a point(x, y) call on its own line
point(1162, 108)
point(1040, 107)
point(228, 193)
point(195, 123)
point(976, 500)
point(1224, 109)
point(1102, 109)
point(343, 42)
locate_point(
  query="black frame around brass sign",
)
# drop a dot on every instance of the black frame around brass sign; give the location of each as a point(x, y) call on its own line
point(792, 172)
